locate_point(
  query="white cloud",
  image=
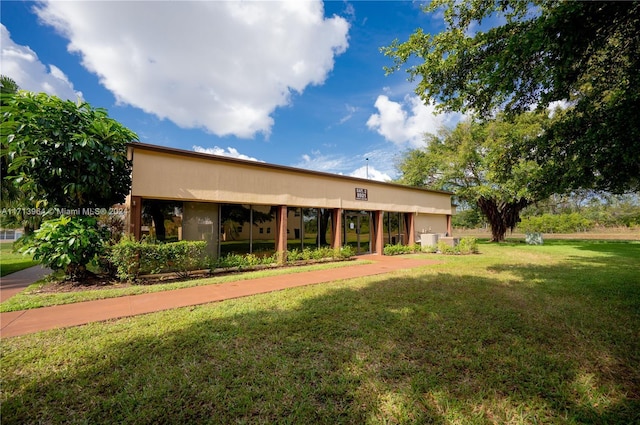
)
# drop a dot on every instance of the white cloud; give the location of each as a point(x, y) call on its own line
point(21, 64)
point(230, 152)
point(350, 111)
point(371, 173)
point(408, 121)
point(343, 165)
point(318, 161)
point(219, 65)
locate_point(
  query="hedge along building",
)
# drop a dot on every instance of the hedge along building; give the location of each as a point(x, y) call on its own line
point(247, 206)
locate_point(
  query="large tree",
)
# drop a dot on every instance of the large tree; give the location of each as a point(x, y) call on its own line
point(585, 54)
point(67, 156)
point(475, 161)
point(62, 154)
point(15, 206)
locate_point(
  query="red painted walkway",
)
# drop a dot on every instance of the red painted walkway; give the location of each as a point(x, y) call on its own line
point(40, 319)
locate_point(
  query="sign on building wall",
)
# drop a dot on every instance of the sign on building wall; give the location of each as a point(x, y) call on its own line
point(361, 194)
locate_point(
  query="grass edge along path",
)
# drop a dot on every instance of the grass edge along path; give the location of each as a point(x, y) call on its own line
point(29, 321)
point(11, 262)
point(34, 297)
point(515, 335)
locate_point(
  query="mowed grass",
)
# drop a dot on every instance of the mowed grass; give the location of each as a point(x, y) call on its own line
point(37, 295)
point(11, 262)
point(518, 335)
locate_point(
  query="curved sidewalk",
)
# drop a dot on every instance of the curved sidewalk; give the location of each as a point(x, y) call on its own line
point(62, 316)
point(13, 283)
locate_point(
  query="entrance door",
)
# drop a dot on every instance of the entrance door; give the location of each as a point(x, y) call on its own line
point(357, 230)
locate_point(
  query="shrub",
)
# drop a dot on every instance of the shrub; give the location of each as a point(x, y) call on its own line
point(242, 261)
point(320, 253)
point(133, 258)
point(399, 249)
point(465, 246)
point(66, 243)
point(185, 256)
point(345, 252)
point(431, 249)
point(444, 248)
point(468, 246)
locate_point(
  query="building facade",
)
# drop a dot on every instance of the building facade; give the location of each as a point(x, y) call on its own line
point(247, 206)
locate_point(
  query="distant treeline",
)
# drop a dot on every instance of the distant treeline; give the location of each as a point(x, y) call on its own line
point(577, 212)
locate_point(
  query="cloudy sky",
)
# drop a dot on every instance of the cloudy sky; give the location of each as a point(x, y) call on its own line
point(297, 83)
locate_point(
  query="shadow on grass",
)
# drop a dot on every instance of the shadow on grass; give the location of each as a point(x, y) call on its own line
point(416, 348)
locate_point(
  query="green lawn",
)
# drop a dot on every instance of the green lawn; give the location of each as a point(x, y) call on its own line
point(518, 335)
point(34, 297)
point(11, 262)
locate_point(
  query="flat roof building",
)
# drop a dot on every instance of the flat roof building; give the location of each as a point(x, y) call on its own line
point(238, 205)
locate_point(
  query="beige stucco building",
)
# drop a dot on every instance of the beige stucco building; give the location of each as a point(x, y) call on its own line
point(197, 196)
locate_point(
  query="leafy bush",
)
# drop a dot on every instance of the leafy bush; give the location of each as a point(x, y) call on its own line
point(431, 249)
point(185, 256)
point(66, 243)
point(345, 252)
point(444, 248)
point(242, 261)
point(319, 254)
point(133, 258)
point(399, 249)
point(465, 246)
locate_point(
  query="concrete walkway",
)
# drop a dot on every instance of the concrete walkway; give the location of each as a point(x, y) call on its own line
point(40, 319)
point(13, 283)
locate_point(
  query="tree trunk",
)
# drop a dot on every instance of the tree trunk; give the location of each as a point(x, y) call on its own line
point(155, 210)
point(501, 216)
point(323, 223)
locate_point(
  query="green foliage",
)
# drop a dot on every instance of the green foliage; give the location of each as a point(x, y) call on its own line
point(518, 335)
point(134, 258)
point(11, 261)
point(586, 54)
point(399, 249)
point(467, 219)
point(320, 253)
point(555, 223)
point(345, 252)
point(66, 243)
point(468, 246)
point(476, 162)
point(465, 246)
point(8, 85)
point(63, 154)
point(599, 209)
point(131, 258)
point(185, 256)
point(243, 261)
point(445, 248)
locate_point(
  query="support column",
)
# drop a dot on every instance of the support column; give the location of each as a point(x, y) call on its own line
point(411, 228)
point(449, 226)
point(135, 217)
point(377, 242)
point(281, 233)
point(336, 228)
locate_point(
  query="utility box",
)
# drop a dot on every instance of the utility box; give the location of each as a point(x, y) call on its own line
point(450, 241)
point(428, 239)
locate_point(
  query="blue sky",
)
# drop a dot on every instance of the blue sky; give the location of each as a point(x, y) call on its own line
point(292, 83)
